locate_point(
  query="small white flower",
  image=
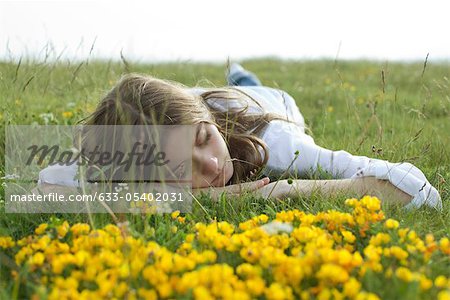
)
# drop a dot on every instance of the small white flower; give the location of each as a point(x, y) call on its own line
point(275, 227)
point(123, 186)
point(10, 177)
point(47, 117)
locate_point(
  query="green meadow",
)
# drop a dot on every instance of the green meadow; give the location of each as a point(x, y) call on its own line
point(396, 111)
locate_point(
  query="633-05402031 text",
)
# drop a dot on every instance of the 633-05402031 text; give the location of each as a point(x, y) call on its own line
point(100, 196)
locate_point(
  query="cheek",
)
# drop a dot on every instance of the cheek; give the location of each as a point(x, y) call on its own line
point(219, 143)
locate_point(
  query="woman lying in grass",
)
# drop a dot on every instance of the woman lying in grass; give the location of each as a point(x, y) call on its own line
point(247, 131)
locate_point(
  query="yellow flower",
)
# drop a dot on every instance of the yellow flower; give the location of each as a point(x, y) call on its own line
point(366, 296)
point(444, 244)
point(352, 202)
point(255, 285)
point(175, 214)
point(391, 224)
point(332, 273)
point(250, 254)
point(247, 270)
point(37, 259)
point(201, 293)
point(398, 252)
point(371, 203)
point(6, 242)
point(425, 283)
point(403, 232)
point(352, 287)
point(349, 237)
point(41, 228)
point(80, 229)
point(404, 274)
point(443, 295)
point(63, 229)
point(277, 291)
point(147, 294)
point(379, 239)
point(67, 114)
point(164, 290)
point(440, 281)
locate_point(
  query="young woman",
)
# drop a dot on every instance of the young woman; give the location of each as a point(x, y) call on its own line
point(246, 131)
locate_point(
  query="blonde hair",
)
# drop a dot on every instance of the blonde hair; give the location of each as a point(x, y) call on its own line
point(145, 100)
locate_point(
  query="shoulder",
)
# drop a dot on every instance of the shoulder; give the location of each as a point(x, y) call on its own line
point(264, 92)
point(280, 132)
point(259, 91)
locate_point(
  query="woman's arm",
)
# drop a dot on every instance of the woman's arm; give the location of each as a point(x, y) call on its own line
point(358, 187)
point(284, 144)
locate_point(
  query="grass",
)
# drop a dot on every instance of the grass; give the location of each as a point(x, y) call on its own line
point(394, 111)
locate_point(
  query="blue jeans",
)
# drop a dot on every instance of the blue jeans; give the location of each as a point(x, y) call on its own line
point(243, 78)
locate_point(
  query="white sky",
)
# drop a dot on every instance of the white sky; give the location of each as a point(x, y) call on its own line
point(213, 30)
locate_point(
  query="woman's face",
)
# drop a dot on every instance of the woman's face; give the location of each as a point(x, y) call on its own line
point(211, 161)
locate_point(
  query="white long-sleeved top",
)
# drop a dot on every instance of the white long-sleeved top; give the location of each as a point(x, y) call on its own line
point(284, 139)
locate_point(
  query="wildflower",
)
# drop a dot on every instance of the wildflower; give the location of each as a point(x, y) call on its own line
point(404, 274)
point(201, 293)
point(398, 252)
point(80, 229)
point(352, 287)
point(332, 273)
point(37, 259)
point(247, 270)
point(444, 245)
point(371, 203)
point(349, 237)
point(352, 202)
point(441, 281)
point(62, 229)
point(366, 296)
point(425, 283)
point(250, 254)
point(443, 295)
point(6, 242)
point(41, 228)
point(391, 224)
point(255, 286)
point(67, 114)
point(175, 214)
point(402, 232)
point(275, 227)
point(277, 291)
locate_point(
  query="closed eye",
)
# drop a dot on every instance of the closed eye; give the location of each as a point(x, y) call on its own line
point(203, 136)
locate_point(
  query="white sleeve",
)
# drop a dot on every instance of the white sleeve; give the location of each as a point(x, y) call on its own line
point(59, 175)
point(283, 140)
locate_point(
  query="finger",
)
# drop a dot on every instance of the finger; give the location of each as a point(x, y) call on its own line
point(254, 185)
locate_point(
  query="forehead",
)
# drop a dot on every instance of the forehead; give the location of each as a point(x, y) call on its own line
point(178, 142)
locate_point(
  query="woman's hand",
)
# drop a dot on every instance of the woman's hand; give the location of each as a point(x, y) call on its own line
point(234, 189)
point(383, 189)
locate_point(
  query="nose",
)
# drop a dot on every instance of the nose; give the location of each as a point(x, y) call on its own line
point(210, 166)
